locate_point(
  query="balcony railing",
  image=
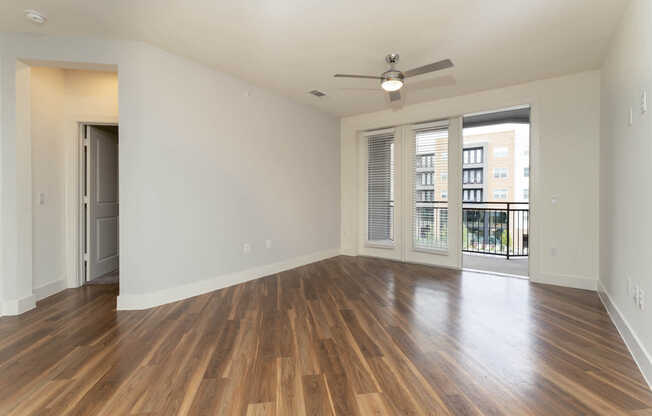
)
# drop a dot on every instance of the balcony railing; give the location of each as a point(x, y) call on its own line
point(496, 228)
point(431, 225)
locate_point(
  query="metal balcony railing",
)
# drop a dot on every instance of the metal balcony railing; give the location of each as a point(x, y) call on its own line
point(496, 228)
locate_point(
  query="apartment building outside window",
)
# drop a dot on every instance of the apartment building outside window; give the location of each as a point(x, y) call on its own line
point(500, 194)
point(472, 195)
point(473, 156)
point(501, 152)
point(500, 173)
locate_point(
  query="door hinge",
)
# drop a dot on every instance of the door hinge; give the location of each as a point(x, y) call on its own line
point(85, 142)
point(85, 199)
point(85, 256)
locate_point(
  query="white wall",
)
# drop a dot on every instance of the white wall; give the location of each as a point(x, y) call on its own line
point(564, 152)
point(59, 99)
point(626, 157)
point(17, 208)
point(207, 162)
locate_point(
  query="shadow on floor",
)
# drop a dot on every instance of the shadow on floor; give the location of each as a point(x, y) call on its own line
point(110, 278)
point(515, 266)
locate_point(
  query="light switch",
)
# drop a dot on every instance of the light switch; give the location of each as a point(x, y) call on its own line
point(644, 101)
point(630, 117)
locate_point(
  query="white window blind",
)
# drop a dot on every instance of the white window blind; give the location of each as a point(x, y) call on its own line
point(430, 221)
point(380, 188)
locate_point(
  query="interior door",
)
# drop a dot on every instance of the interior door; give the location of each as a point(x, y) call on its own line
point(103, 201)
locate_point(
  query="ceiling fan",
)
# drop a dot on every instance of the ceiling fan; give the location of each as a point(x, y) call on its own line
point(392, 79)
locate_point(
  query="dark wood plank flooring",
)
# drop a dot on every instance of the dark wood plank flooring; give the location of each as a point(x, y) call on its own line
point(345, 336)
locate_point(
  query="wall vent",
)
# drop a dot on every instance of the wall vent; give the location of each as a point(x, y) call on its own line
point(317, 93)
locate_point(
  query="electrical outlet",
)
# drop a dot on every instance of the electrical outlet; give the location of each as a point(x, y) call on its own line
point(268, 243)
point(246, 248)
point(641, 299)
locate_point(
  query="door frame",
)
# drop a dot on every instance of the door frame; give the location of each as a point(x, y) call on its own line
point(75, 196)
point(366, 247)
point(533, 150)
point(448, 257)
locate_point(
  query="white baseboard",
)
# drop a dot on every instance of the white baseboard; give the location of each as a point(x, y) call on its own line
point(49, 289)
point(17, 306)
point(641, 356)
point(137, 301)
point(576, 282)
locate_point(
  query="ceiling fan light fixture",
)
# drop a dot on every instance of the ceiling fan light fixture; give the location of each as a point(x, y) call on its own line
point(391, 84)
point(392, 80)
point(35, 16)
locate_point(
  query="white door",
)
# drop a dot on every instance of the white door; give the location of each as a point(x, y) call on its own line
point(102, 219)
point(432, 193)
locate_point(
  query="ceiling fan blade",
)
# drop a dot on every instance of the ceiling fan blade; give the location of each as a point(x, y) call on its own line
point(378, 90)
point(394, 96)
point(437, 66)
point(356, 76)
point(436, 82)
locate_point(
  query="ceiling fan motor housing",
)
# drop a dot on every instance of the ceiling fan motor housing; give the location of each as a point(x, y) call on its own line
point(392, 59)
point(391, 75)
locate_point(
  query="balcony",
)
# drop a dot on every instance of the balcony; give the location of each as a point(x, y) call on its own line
point(495, 236)
point(496, 228)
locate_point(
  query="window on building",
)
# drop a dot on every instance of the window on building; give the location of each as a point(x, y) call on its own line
point(380, 188)
point(444, 195)
point(526, 172)
point(472, 195)
point(472, 155)
point(500, 194)
point(501, 152)
point(500, 173)
point(472, 176)
point(526, 194)
point(425, 161)
point(444, 176)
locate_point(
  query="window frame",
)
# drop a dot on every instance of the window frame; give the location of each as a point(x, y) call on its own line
point(383, 245)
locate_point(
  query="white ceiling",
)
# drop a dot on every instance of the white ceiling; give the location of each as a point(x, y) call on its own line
point(294, 46)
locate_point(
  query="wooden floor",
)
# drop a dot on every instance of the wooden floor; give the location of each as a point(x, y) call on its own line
point(346, 336)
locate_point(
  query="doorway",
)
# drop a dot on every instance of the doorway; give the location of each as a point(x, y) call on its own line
point(496, 192)
point(99, 196)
